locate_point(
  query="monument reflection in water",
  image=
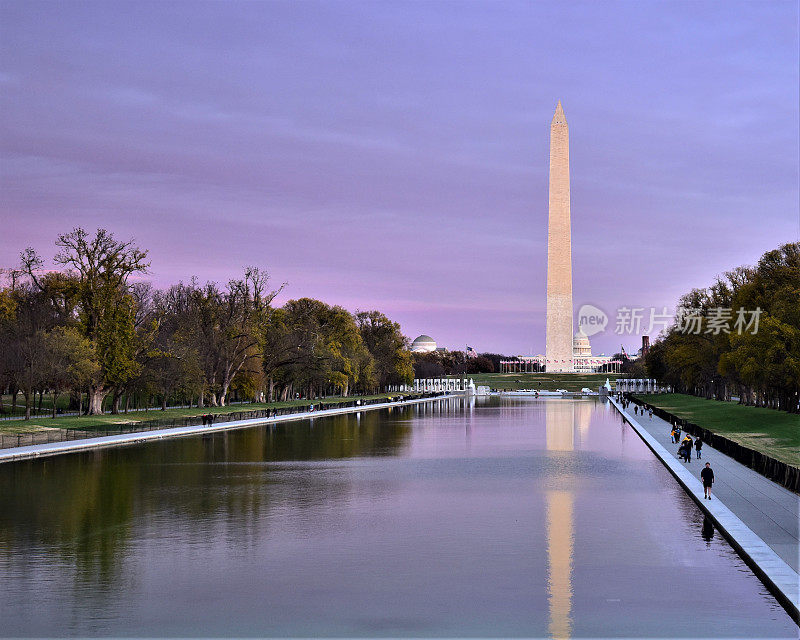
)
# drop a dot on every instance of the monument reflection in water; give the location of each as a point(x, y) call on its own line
point(561, 419)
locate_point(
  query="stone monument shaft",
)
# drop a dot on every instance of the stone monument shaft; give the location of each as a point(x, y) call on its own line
point(558, 351)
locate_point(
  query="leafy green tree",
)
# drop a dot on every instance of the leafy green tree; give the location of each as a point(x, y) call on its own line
point(101, 268)
point(388, 347)
point(350, 362)
point(765, 366)
point(280, 349)
point(760, 363)
point(323, 350)
point(69, 361)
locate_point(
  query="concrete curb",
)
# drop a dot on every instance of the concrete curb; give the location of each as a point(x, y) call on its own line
point(782, 581)
point(57, 448)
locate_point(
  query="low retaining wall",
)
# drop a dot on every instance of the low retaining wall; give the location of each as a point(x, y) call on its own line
point(777, 471)
point(58, 448)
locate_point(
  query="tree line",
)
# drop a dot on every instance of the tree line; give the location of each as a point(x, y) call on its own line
point(437, 364)
point(738, 337)
point(93, 327)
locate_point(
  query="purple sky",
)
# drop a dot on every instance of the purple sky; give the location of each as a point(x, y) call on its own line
point(395, 155)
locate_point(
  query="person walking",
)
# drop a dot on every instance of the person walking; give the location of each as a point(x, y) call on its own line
point(707, 476)
point(687, 448)
point(698, 446)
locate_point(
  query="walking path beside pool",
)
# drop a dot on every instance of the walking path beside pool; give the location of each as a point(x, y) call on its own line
point(758, 515)
point(86, 444)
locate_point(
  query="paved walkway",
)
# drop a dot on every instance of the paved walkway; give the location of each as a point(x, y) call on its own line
point(769, 509)
point(761, 515)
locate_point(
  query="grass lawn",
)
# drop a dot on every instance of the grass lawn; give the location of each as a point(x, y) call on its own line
point(775, 433)
point(47, 404)
point(110, 421)
point(541, 381)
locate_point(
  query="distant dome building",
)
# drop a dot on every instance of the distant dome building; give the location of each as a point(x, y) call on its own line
point(581, 345)
point(423, 344)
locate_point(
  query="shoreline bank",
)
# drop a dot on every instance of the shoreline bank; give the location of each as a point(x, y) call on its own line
point(31, 452)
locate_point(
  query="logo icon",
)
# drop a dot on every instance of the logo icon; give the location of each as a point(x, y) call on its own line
point(591, 320)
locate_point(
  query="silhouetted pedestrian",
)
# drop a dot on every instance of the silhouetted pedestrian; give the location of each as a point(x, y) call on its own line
point(707, 476)
point(708, 529)
point(698, 446)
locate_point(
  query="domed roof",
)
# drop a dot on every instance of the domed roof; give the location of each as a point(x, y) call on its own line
point(423, 344)
point(581, 345)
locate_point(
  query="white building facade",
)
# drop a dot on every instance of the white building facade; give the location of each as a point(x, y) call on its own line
point(582, 360)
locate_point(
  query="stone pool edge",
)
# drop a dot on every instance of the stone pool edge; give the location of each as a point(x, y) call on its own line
point(33, 452)
point(782, 581)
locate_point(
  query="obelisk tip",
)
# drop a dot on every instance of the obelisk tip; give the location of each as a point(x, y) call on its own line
point(558, 116)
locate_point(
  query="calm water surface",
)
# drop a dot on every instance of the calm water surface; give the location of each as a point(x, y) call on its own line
point(505, 517)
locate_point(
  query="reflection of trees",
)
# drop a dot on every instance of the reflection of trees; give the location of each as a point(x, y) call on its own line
point(85, 507)
point(78, 507)
point(337, 437)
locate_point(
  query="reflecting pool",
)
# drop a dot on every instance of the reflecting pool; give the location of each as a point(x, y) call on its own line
point(501, 517)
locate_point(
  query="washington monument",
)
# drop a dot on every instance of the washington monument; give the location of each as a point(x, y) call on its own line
point(558, 348)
